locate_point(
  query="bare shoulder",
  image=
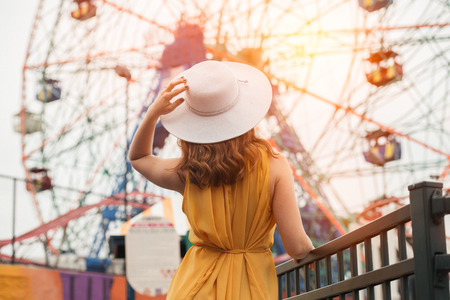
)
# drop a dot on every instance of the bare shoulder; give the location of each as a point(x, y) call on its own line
point(279, 171)
point(279, 165)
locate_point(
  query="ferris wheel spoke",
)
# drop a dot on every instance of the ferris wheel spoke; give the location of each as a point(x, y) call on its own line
point(367, 119)
point(115, 146)
point(134, 14)
point(91, 57)
point(71, 124)
point(445, 172)
point(85, 113)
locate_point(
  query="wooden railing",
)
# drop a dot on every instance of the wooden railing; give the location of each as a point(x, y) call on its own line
point(380, 260)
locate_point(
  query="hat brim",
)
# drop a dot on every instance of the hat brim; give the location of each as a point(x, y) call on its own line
point(255, 96)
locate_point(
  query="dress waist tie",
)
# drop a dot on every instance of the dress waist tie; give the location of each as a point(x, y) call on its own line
point(234, 251)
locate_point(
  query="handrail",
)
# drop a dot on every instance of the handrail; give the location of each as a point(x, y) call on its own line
point(403, 268)
point(331, 270)
point(357, 236)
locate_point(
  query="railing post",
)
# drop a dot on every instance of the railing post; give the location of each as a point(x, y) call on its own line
point(428, 241)
point(13, 239)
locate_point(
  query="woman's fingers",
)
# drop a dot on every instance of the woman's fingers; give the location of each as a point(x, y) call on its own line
point(174, 83)
point(177, 91)
point(169, 92)
point(177, 103)
point(163, 104)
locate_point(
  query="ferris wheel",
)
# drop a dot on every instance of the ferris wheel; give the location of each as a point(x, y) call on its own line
point(361, 100)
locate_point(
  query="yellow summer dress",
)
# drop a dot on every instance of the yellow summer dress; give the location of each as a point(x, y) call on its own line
point(232, 231)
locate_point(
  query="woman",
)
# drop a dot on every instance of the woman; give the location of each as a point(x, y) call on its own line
point(235, 187)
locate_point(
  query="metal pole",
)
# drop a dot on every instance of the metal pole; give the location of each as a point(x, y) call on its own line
point(126, 153)
point(428, 241)
point(123, 72)
point(13, 240)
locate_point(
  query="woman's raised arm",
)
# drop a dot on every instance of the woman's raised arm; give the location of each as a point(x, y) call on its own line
point(157, 170)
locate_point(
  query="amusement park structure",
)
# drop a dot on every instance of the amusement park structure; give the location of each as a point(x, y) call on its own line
point(360, 105)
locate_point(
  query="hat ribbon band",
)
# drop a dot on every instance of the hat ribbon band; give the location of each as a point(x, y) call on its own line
point(215, 112)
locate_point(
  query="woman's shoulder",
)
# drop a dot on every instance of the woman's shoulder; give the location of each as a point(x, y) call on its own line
point(278, 162)
point(280, 171)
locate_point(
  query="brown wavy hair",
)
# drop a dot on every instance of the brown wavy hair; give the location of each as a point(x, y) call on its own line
point(221, 163)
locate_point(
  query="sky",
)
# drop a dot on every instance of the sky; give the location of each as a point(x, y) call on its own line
point(16, 20)
point(15, 23)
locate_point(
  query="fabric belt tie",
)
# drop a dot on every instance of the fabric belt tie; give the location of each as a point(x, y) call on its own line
point(234, 251)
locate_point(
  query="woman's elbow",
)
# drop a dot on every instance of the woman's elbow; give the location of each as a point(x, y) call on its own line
point(133, 157)
point(136, 163)
point(301, 251)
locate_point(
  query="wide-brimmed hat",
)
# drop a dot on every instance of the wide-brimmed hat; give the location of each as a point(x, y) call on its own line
point(224, 100)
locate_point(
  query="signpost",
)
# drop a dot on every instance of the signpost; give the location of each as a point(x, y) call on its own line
point(152, 255)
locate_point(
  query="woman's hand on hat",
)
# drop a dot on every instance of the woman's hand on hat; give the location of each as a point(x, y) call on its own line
point(163, 103)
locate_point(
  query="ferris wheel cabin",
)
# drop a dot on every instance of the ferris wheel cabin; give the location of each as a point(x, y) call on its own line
point(39, 180)
point(373, 5)
point(85, 10)
point(383, 148)
point(32, 122)
point(49, 90)
point(383, 68)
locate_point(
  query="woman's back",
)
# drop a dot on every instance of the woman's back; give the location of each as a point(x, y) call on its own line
point(232, 232)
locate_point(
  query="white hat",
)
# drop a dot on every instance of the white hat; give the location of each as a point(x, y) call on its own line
point(224, 100)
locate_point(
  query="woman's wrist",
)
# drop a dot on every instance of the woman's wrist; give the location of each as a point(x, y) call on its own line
point(152, 113)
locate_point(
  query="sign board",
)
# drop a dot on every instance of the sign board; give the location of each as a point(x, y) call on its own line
point(152, 255)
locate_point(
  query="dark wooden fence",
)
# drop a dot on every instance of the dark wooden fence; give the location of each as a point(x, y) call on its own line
point(366, 264)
